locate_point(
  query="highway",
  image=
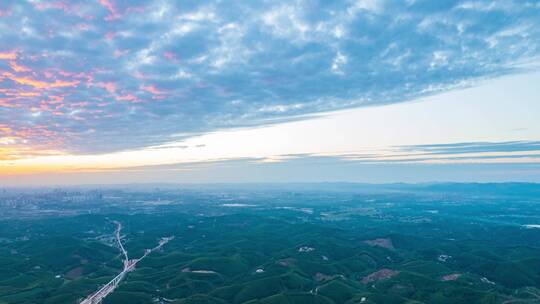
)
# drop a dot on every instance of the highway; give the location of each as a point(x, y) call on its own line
point(129, 265)
point(119, 239)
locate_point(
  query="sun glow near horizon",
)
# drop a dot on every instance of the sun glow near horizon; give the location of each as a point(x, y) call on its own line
point(123, 86)
point(373, 134)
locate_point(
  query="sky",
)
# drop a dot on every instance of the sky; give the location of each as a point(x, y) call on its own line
point(112, 91)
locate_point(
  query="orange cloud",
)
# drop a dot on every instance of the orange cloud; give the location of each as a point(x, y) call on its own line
point(8, 55)
point(28, 94)
point(5, 129)
point(40, 84)
point(18, 68)
point(22, 94)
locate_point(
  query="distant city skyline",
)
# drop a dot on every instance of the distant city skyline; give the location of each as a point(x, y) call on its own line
point(361, 91)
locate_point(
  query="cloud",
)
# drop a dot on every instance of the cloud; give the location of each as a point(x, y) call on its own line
point(474, 147)
point(8, 55)
point(110, 75)
point(304, 169)
point(38, 83)
point(456, 153)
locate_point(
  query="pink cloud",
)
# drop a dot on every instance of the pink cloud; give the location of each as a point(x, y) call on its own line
point(5, 13)
point(17, 94)
point(41, 6)
point(109, 86)
point(111, 7)
point(80, 75)
point(80, 104)
point(128, 97)
point(38, 83)
point(56, 99)
point(110, 35)
point(83, 27)
point(170, 56)
point(152, 89)
point(48, 74)
point(139, 75)
point(120, 53)
point(108, 4)
point(89, 79)
point(9, 103)
point(135, 9)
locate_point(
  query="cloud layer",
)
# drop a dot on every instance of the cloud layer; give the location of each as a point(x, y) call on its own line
point(108, 75)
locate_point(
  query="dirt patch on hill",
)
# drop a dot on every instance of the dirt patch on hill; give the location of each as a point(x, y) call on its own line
point(451, 277)
point(287, 262)
point(384, 243)
point(321, 277)
point(74, 273)
point(380, 275)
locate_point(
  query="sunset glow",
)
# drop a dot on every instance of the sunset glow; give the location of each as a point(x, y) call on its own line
point(112, 85)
